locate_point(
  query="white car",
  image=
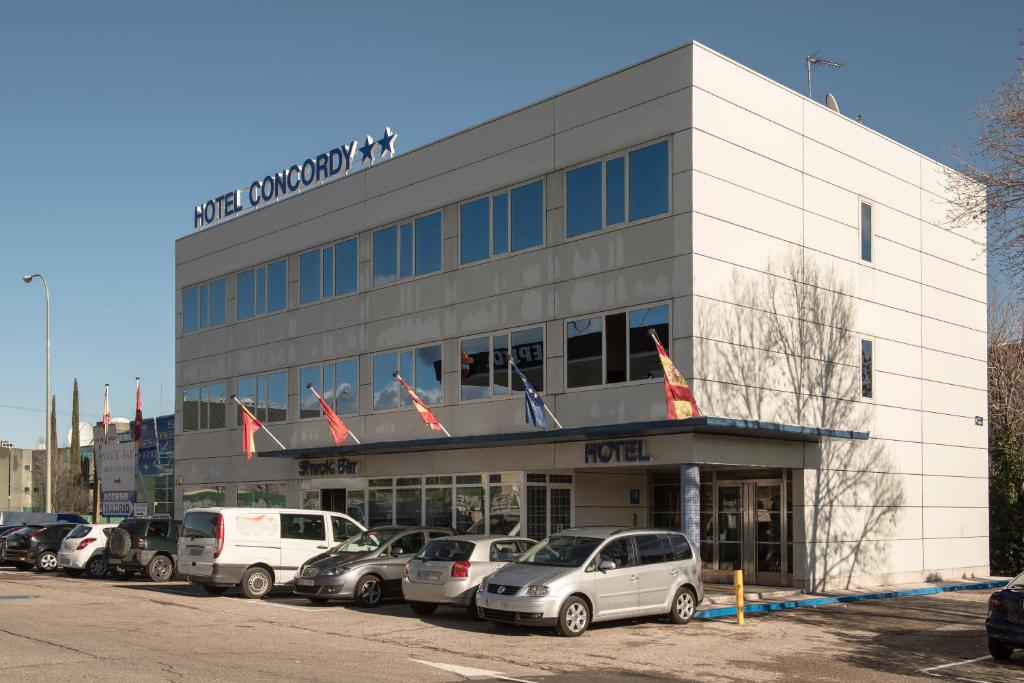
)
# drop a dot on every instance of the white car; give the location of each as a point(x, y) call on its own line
point(82, 550)
point(255, 548)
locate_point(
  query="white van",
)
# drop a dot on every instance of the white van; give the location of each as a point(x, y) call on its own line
point(255, 548)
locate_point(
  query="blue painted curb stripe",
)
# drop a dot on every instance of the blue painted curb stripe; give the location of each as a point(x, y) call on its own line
point(817, 602)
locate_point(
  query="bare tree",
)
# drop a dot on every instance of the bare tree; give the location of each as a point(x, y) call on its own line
point(990, 183)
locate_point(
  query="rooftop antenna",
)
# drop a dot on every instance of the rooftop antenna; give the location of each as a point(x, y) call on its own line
point(814, 60)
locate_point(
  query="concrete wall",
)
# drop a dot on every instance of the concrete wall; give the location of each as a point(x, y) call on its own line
point(15, 477)
point(778, 325)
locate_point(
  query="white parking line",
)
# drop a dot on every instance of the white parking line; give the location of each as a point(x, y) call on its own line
point(931, 671)
point(470, 672)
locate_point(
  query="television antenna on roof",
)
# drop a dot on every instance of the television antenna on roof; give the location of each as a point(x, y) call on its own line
point(814, 60)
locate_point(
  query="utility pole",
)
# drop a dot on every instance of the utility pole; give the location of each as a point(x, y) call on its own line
point(96, 481)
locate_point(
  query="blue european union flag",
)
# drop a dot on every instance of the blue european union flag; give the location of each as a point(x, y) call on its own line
point(535, 413)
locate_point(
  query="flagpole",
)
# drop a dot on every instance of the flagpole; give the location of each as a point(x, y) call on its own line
point(262, 426)
point(319, 398)
point(512, 363)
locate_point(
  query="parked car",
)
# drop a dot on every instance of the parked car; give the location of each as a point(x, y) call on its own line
point(83, 548)
point(448, 571)
point(36, 546)
point(585, 575)
point(366, 568)
point(143, 544)
point(4, 533)
point(255, 548)
point(1005, 622)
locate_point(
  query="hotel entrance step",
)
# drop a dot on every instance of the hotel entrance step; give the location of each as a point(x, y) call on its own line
point(725, 593)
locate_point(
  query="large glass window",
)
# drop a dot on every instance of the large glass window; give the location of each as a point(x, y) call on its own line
point(439, 507)
point(262, 290)
point(355, 505)
point(505, 509)
point(485, 371)
point(648, 181)
point(380, 507)
point(616, 347)
point(399, 251)
point(203, 306)
point(203, 407)
point(596, 193)
point(266, 396)
point(487, 226)
point(469, 507)
point(309, 277)
point(408, 506)
point(424, 375)
point(273, 495)
point(329, 271)
point(346, 266)
point(308, 405)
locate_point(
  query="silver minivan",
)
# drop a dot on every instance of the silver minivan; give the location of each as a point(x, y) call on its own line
point(588, 574)
point(449, 570)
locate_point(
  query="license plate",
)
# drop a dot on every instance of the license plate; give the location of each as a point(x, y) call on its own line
point(64, 562)
point(195, 552)
point(304, 582)
point(432, 576)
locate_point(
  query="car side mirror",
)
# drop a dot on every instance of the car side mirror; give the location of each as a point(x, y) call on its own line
point(605, 565)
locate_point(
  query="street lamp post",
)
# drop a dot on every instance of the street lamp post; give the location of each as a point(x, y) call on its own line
point(49, 446)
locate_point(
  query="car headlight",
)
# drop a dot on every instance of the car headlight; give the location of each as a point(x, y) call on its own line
point(482, 588)
point(335, 571)
point(536, 591)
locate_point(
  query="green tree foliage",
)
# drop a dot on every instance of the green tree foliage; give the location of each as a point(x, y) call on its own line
point(76, 446)
point(1006, 503)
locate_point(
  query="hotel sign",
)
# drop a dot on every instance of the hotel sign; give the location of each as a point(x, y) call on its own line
point(328, 468)
point(611, 452)
point(287, 181)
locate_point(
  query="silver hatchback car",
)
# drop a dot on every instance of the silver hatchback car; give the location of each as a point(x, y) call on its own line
point(449, 570)
point(590, 574)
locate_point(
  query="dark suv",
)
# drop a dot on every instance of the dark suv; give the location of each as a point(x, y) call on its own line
point(36, 546)
point(144, 544)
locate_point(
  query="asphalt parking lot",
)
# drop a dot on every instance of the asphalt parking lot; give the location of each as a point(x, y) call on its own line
point(54, 627)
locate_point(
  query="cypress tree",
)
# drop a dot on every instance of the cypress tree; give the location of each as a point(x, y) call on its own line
point(76, 445)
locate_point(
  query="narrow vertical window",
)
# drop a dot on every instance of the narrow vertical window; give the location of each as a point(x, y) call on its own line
point(583, 195)
point(500, 223)
point(309, 277)
point(190, 310)
point(346, 266)
point(474, 244)
point(615, 191)
point(866, 372)
point(385, 255)
point(246, 289)
point(277, 286)
point(405, 251)
point(328, 272)
point(218, 301)
point(528, 216)
point(428, 244)
point(261, 291)
point(865, 231)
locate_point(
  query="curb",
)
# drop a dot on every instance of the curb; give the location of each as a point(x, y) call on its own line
point(860, 597)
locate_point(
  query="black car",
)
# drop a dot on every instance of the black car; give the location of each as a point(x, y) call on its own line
point(365, 568)
point(144, 544)
point(1005, 623)
point(36, 546)
point(6, 531)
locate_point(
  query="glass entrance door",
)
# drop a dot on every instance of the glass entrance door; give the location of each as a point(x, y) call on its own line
point(767, 532)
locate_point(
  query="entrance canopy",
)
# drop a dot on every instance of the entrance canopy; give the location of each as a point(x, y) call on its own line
point(694, 425)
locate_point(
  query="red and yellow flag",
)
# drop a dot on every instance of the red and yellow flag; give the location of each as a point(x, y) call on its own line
point(250, 425)
point(425, 414)
point(679, 401)
point(338, 429)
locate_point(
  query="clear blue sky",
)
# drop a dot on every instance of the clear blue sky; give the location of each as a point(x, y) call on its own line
point(117, 118)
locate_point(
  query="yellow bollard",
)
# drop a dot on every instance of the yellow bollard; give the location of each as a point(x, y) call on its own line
point(738, 580)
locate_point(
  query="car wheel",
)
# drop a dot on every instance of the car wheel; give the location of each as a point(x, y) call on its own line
point(96, 567)
point(71, 571)
point(216, 590)
point(573, 618)
point(318, 601)
point(370, 591)
point(684, 605)
point(471, 608)
point(160, 568)
point(424, 609)
point(999, 650)
point(256, 583)
point(47, 561)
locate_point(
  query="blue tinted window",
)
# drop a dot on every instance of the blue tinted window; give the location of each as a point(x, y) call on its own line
point(277, 286)
point(615, 191)
point(245, 389)
point(428, 375)
point(528, 216)
point(428, 244)
point(245, 304)
point(346, 266)
point(309, 276)
point(190, 309)
point(385, 388)
point(405, 245)
point(583, 200)
point(385, 255)
point(218, 302)
point(308, 405)
point(261, 290)
point(328, 271)
point(277, 397)
point(204, 306)
point(473, 226)
point(346, 387)
point(406, 370)
point(499, 205)
point(648, 181)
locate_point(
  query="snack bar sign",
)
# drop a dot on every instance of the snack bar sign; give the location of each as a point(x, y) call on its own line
point(312, 171)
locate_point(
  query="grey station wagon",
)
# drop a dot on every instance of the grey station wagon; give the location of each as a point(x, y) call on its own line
point(590, 574)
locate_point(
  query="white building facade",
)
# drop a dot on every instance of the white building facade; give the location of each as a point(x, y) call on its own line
point(794, 263)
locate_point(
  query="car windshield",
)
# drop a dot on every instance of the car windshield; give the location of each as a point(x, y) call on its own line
point(367, 540)
point(561, 551)
point(1017, 583)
